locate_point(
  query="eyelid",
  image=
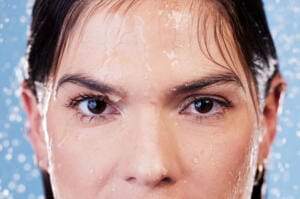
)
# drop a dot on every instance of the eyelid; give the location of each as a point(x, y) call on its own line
point(74, 103)
point(216, 98)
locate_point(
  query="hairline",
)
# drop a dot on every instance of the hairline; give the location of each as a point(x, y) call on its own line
point(87, 9)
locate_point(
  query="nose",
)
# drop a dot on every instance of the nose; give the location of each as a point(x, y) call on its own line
point(153, 159)
point(150, 176)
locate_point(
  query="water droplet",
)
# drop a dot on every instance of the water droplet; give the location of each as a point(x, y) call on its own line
point(92, 171)
point(195, 160)
point(113, 188)
point(21, 158)
point(5, 193)
point(21, 188)
point(298, 134)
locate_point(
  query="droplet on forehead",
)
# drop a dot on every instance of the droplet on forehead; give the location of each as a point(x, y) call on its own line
point(170, 54)
point(179, 19)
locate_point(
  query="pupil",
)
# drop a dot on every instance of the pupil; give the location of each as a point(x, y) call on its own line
point(96, 106)
point(203, 105)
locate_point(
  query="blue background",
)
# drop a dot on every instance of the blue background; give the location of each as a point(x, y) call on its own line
point(19, 178)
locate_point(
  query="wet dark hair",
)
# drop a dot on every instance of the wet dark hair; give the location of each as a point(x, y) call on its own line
point(53, 20)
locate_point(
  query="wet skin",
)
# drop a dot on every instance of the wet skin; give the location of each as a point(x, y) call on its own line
point(137, 110)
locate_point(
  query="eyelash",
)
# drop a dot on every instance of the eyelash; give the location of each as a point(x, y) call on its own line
point(219, 103)
point(74, 103)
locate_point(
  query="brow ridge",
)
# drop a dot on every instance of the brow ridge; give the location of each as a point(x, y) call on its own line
point(207, 81)
point(191, 86)
point(89, 83)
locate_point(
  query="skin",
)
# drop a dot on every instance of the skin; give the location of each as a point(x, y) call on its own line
point(150, 141)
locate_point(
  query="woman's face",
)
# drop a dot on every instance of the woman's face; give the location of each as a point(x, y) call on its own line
point(137, 110)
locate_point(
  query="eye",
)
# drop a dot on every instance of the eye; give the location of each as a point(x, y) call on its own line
point(204, 106)
point(92, 106)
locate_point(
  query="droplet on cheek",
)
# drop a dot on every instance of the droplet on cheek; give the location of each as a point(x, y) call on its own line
point(79, 137)
point(113, 188)
point(148, 67)
point(62, 142)
point(176, 124)
point(91, 171)
point(196, 160)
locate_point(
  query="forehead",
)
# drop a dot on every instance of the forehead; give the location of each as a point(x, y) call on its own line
point(148, 34)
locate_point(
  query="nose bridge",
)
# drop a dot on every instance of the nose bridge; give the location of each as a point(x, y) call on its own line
point(153, 160)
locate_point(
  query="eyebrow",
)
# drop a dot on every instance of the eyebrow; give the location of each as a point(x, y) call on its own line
point(210, 80)
point(89, 83)
point(188, 87)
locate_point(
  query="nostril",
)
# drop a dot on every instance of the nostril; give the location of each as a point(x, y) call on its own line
point(163, 181)
point(166, 180)
point(131, 179)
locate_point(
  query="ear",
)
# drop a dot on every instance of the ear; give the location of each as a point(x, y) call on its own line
point(35, 134)
point(270, 114)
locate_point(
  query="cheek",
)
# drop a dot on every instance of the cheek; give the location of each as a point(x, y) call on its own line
point(80, 153)
point(219, 159)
